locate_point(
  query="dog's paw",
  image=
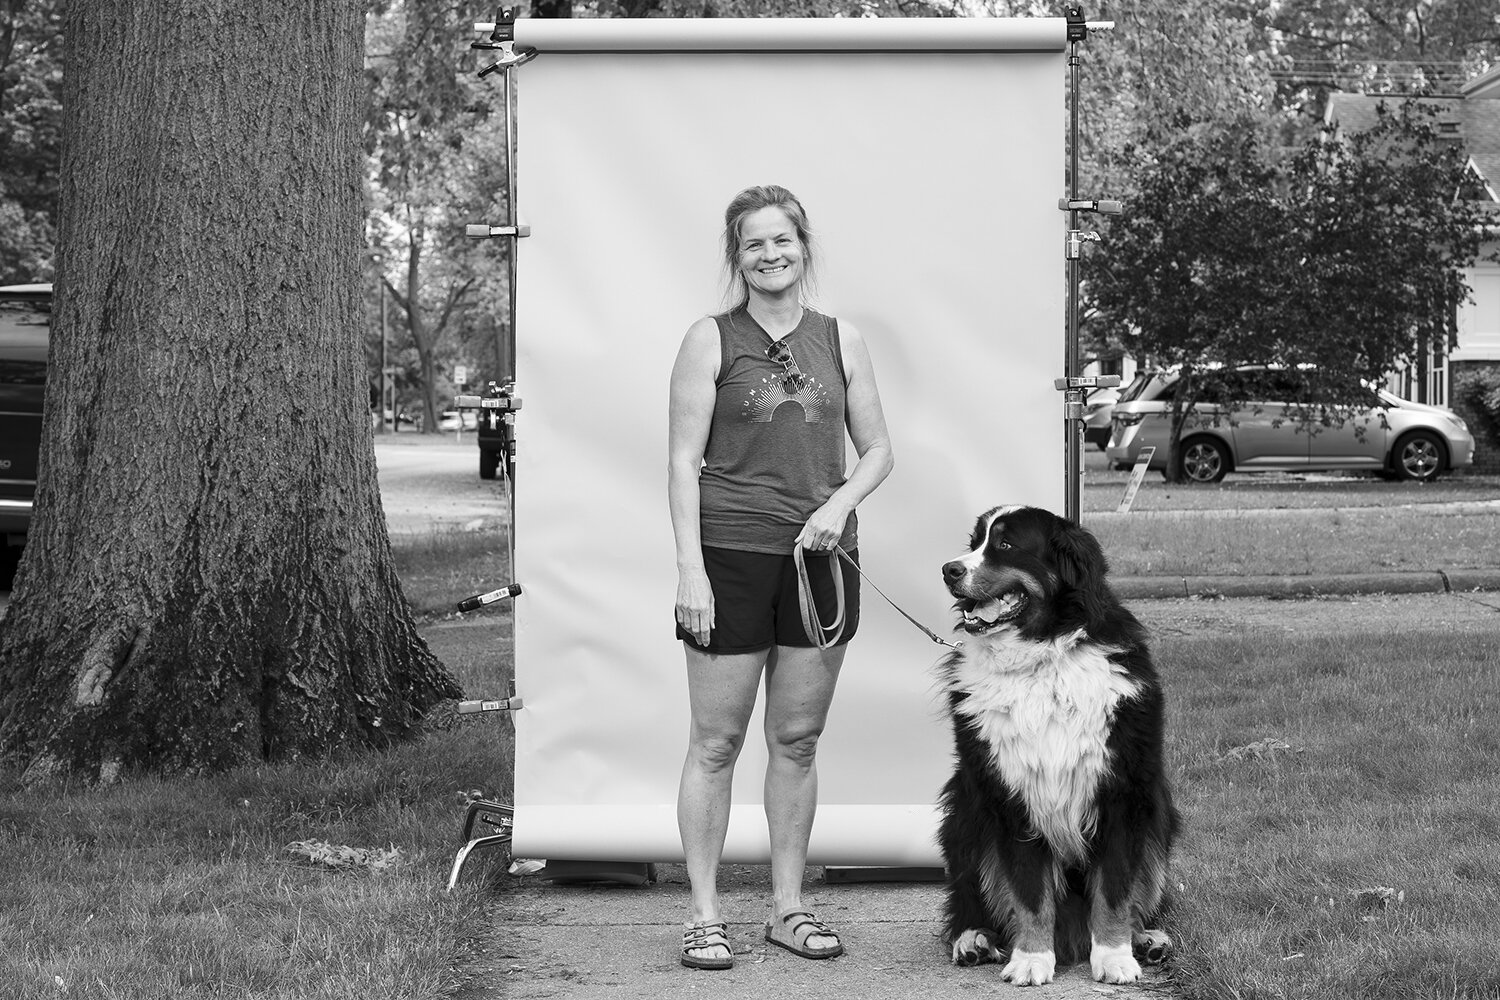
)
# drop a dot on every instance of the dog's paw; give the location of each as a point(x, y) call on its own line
point(1113, 963)
point(976, 946)
point(1153, 946)
point(1029, 968)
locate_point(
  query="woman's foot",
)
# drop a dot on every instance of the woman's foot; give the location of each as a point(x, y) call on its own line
point(705, 945)
point(801, 933)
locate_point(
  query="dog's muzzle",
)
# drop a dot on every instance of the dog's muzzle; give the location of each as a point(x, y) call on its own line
point(986, 616)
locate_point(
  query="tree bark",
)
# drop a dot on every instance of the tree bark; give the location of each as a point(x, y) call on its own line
point(208, 579)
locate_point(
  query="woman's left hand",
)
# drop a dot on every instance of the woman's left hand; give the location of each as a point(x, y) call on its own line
point(823, 530)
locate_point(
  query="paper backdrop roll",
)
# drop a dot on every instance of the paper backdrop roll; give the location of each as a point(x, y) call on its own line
point(931, 179)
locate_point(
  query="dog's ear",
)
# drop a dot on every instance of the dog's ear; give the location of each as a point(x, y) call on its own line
point(1081, 565)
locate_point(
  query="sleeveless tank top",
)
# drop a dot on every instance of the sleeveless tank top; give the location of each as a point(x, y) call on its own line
point(775, 450)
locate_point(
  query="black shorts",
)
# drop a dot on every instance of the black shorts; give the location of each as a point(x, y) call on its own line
point(756, 605)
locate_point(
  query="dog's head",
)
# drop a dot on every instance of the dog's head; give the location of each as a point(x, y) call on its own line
point(1028, 569)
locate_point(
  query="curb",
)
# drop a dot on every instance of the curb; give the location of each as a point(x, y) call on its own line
point(1411, 582)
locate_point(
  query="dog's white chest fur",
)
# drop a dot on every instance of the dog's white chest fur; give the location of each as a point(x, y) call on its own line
point(1044, 710)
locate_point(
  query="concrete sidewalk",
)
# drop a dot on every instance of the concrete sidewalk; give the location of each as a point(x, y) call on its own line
point(619, 942)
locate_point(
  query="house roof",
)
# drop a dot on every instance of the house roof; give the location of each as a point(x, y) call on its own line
point(1486, 85)
point(1476, 122)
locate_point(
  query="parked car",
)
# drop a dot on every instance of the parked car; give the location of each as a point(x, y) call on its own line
point(453, 420)
point(25, 317)
point(1267, 432)
point(1098, 410)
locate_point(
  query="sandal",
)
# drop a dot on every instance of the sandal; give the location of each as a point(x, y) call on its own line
point(802, 925)
point(710, 934)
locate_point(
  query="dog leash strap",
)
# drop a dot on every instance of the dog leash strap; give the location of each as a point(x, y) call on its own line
point(820, 635)
point(839, 550)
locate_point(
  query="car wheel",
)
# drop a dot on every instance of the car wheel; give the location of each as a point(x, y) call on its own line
point(1419, 457)
point(489, 461)
point(1203, 460)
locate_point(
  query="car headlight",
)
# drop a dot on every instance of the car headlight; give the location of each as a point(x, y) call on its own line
point(1457, 421)
point(1128, 419)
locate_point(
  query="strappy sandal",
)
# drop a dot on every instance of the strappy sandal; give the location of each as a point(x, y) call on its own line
point(802, 925)
point(709, 934)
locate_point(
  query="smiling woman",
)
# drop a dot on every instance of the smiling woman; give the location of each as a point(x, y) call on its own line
point(760, 397)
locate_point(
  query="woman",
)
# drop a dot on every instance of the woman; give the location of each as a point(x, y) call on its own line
point(760, 399)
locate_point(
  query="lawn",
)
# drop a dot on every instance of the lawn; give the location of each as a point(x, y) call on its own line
point(296, 881)
point(1338, 790)
point(1341, 837)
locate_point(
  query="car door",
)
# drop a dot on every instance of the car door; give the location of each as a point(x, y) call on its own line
point(1265, 425)
point(1358, 442)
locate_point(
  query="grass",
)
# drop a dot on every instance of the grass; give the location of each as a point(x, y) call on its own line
point(1296, 542)
point(1285, 525)
point(1314, 773)
point(439, 568)
point(186, 888)
point(1340, 836)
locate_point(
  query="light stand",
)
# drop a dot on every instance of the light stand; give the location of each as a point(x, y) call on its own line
point(1073, 384)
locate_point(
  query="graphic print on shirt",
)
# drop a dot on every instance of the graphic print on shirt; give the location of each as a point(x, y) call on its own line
point(772, 393)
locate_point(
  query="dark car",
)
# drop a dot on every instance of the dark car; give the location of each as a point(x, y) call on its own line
point(494, 426)
point(25, 316)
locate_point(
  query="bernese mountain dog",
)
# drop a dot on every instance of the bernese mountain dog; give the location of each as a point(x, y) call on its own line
point(1058, 819)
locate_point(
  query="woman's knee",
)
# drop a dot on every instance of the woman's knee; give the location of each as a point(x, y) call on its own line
point(796, 743)
point(716, 751)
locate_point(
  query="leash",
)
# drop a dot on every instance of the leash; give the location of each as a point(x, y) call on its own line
point(813, 625)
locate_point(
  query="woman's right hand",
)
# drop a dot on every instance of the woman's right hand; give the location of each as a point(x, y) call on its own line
point(695, 603)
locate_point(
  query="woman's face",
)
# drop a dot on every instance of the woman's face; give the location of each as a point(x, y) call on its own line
point(771, 255)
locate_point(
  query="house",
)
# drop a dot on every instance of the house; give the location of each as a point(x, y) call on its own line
point(1448, 375)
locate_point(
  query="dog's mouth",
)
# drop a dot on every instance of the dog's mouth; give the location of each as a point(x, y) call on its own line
point(983, 616)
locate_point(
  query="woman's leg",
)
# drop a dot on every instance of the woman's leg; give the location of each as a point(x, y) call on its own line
point(721, 697)
point(799, 688)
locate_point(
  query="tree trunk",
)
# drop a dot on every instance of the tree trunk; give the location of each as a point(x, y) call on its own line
point(208, 579)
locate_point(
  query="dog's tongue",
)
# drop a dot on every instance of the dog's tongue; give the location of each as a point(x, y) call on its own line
point(989, 612)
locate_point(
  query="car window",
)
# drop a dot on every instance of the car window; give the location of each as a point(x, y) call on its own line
point(23, 342)
point(1138, 386)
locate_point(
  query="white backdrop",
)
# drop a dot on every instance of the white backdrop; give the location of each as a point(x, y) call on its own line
point(932, 179)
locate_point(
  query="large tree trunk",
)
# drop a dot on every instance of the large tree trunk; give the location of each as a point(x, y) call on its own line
point(208, 578)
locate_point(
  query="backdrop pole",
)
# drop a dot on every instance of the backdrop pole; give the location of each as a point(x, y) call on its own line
point(1073, 384)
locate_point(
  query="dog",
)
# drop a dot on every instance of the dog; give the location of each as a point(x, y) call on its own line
point(1058, 819)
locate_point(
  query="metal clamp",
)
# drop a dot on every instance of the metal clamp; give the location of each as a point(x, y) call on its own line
point(503, 40)
point(480, 231)
point(1076, 240)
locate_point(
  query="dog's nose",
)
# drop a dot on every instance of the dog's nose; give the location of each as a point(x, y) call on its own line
point(953, 571)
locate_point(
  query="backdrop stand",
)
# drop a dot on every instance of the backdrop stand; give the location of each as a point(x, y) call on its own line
point(1074, 384)
point(502, 41)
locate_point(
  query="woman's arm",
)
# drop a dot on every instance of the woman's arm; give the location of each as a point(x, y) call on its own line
point(872, 442)
point(690, 411)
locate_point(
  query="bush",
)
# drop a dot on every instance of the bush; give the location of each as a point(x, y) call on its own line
point(1476, 391)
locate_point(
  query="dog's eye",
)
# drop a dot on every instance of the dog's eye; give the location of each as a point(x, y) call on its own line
point(1004, 544)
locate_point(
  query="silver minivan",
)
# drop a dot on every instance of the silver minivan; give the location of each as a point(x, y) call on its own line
point(1389, 435)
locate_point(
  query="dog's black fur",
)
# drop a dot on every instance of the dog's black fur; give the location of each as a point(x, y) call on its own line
point(1066, 858)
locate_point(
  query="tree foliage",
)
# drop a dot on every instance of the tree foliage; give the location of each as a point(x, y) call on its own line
point(434, 140)
point(1382, 46)
point(30, 136)
point(1337, 263)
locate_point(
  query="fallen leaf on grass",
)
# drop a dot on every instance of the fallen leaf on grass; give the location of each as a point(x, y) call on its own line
point(1268, 747)
point(341, 857)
